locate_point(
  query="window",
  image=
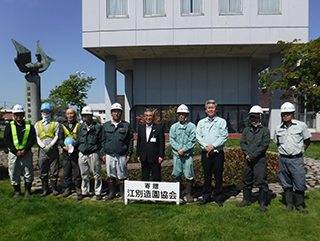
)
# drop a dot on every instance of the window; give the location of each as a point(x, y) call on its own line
point(230, 6)
point(191, 6)
point(269, 6)
point(154, 7)
point(117, 8)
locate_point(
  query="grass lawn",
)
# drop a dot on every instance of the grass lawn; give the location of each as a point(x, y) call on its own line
point(58, 218)
point(313, 150)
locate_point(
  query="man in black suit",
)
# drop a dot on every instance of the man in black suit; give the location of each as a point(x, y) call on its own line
point(150, 147)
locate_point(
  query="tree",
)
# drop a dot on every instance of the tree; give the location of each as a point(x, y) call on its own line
point(299, 73)
point(71, 92)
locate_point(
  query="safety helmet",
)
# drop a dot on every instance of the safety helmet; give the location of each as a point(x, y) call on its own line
point(46, 107)
point(256, 109)
point(287, 107)
point(116, 106)
point(69, 141)
point(17, 109)
point(87, 110)
point(183, 109)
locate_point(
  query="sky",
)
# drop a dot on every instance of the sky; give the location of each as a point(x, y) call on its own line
point(58, 26)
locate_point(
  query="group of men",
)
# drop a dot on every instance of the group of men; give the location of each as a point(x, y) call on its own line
point(82, 143)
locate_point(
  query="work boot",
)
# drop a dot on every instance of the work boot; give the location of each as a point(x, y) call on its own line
point(121, 186)
point(79, 193)
point(112, 189)
point(263, 200)
point(45, 191)
point(27, 192)
point(54, 188)
point(67, 192)
point(178, 179)
point(299, 196)
point(17, 191)
point(96, 197)
point(246, 198)
point(288, 194)
point(189, 186)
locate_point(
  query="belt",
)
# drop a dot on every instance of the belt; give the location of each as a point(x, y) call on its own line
point(291, 157)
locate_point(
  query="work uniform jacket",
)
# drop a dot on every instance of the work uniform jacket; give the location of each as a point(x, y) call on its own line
point(62, 137)
point(183, 137)
point(89, 140)
point(8, 139)
point(254, 142)
point(117, 141)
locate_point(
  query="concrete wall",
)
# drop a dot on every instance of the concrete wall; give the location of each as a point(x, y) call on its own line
point(249, 27)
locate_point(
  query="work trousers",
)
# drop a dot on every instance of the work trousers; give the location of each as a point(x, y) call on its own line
point(182, 164)
point(212, 164)
point(292, 174)
point(86, 162)
point(20, 166)
point(116, 166)
point(258, 170)
point(70, 165)
point(49, 162)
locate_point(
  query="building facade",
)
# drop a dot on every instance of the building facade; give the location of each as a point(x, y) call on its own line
point(189, 51)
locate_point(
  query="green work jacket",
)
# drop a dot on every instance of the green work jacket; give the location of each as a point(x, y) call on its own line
point(117, 140)
point(254, 142)
point(89, 139)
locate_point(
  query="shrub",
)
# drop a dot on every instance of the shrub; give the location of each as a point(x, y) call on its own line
point(232, 174)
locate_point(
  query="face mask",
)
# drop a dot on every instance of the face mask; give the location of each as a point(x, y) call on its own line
point(46, 117)
point(257, 124)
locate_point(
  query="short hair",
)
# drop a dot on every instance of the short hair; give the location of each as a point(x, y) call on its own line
point(211, 102)
point(148, 110)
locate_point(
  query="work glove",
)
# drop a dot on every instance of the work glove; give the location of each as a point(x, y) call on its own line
point(47, 148)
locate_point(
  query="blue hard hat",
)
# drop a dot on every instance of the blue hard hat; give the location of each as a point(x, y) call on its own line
point(69, 141)
point(46, 106)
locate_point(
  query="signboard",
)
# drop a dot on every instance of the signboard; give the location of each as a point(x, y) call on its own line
point(151, 191)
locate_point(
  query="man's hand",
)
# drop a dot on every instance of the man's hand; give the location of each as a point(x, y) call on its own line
point(66, 148)
point(47, 148)
point(248, 158)
point(180, 152)
point(209, 148)
point(138, 159)
point(20, 153)
point(128, 158)
point(160, 159)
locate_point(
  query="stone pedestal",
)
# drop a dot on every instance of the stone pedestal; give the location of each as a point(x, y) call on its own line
point(32, 98)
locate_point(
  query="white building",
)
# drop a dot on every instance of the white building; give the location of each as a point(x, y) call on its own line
point(189, 51)
point(99, 111)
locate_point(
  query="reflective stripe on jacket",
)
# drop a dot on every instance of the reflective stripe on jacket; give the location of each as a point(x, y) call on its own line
point(16, 142)
point(43, 133)
point(72, 134)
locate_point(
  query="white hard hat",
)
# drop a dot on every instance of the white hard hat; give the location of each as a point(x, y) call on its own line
point(256, 109)
point(183, 109)
point(287, 107)
point(17, 109)
point(116, 106)
point(87, 110)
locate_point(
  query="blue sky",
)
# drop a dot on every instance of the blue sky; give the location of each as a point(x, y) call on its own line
point(58, 26)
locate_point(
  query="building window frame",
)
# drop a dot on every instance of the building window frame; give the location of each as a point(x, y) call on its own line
point(111, 13)
point(155, 14)
point(268, 11)
point(225, 9)
point(191, 5)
